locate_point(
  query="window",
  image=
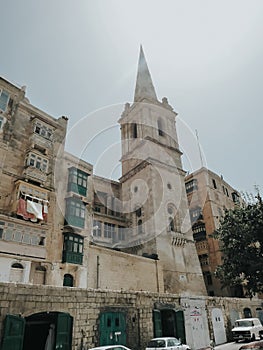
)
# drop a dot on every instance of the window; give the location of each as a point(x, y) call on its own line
point(199, 232)
point(77, 181)
point(96, 228)
point(43, 130)
point(196, 214)
point(138, 212)
point(75, 212)
point(72, 248)
point(190, 186)
point(235, 197)
point(134, 131)
point(160, 127)
point(4, 97)
point(37, 162)
point(68, 280)
point(214, 183)
point(121, 233)
point(171, 226)
point(109, 230)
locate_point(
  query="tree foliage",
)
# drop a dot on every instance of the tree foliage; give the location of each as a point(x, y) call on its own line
point(241, 236)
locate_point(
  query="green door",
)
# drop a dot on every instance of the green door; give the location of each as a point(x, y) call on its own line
point(157, 323)
point(64, 331)
point(180, 327)
point(13, 337)
point(112, 328)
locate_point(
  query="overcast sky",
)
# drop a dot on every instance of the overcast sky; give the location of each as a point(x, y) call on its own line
point(79, 59)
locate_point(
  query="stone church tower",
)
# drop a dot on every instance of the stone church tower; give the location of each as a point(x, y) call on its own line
point(153, 189)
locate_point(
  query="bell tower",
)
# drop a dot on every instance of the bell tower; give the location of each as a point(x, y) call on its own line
point(153, 190)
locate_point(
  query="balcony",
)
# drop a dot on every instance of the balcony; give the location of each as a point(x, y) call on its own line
point(35, 174)
point(72, 257)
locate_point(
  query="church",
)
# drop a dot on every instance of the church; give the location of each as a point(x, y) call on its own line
point(122, 252)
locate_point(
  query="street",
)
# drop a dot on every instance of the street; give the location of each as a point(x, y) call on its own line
point(230, 346)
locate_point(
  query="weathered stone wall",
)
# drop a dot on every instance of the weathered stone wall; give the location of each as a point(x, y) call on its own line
point(109, 269)
point(85, 305)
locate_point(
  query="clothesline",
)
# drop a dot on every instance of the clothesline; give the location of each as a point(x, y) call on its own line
point(32, 197)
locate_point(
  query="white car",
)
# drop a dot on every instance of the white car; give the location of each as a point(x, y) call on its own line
point(247, 329)
point(111, 347)
point(164, 343)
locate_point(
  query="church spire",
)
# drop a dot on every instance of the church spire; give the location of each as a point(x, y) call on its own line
point(144, 86)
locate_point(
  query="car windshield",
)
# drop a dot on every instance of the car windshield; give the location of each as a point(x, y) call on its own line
point(244, 323)
point(156, 344)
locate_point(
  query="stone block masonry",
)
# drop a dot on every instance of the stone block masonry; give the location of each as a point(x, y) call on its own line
point(86, 305)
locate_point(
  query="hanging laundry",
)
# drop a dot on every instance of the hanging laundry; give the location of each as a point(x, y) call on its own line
point(35, 208)
point(22, 210)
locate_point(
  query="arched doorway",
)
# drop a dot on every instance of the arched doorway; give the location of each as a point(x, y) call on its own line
point(41, 331)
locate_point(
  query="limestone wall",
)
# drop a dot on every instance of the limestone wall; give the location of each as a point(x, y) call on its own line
point(85, 306)
point(109, 269)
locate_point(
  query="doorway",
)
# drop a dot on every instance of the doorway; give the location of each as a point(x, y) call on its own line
point(42, 331)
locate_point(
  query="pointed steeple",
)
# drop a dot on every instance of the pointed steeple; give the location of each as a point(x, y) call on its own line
point(144, 86)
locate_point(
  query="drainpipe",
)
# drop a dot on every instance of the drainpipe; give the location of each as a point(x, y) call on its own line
point(98, 272)
point(157, 276)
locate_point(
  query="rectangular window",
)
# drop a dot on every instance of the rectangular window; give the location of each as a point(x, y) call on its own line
point(37, 162)
point(75, 212)
point(214, 183)
point(121, 233)
point(196, 214)
point(109, 230)
point(4, 97)
point(77, 181)
point(190, 186)
point(96, 228)
point(72, 248)
point(43, 131)
point(199, 232)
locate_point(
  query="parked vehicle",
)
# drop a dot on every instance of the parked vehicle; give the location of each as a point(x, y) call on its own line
point(111, 347)
point(247, 329)
point(257, 345)
point(261, 334)
point(164, 343)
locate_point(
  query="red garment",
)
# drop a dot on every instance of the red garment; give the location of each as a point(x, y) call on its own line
point(21, 210)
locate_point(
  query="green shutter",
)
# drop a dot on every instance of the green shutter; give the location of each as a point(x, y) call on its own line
point(112, 328)
point(64, 331)
point(157, 323)
point(180, 328)
point(13, 337)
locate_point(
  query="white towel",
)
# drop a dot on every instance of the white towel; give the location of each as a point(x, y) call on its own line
point(34, 208)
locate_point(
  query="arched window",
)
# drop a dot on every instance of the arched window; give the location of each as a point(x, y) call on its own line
point(17, 266)
point(68, 280)
point(247, 312)
point(171, 226)
point(134, 131)
point(16, 273)
point(160, 127)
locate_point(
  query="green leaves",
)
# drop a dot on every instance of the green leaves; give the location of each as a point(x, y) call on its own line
point(241, 236)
